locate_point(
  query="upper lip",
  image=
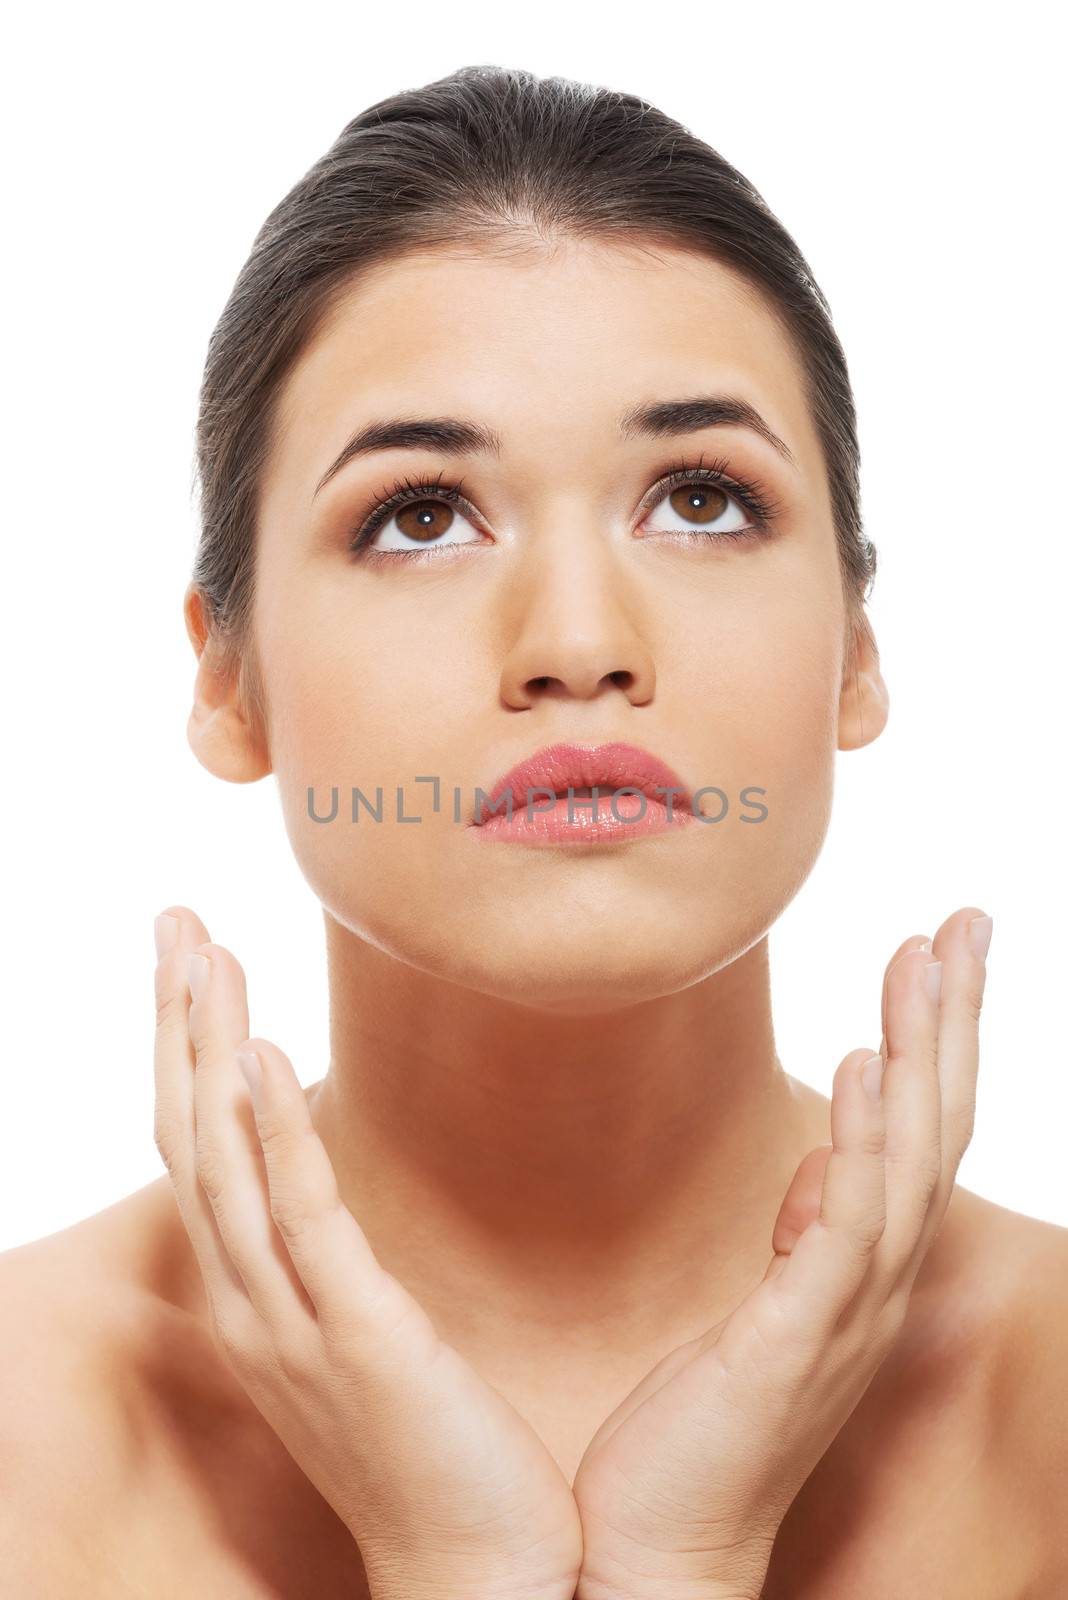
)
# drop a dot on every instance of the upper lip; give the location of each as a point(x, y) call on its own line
point(607, 766)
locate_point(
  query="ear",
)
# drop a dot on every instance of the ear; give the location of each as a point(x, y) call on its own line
point(864, 703)
point(220, 730)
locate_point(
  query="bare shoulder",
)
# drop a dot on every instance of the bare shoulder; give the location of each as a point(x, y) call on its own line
point(93, 1352)
point(64, 1303)
point(984, 1353)
point(948, 1478)
point(131, 1460)
point(62, 1443)
point(1028, 1391)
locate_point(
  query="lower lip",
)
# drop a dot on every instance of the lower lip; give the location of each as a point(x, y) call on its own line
point(619, 820)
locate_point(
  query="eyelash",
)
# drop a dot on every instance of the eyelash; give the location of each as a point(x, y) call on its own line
point(761, 507)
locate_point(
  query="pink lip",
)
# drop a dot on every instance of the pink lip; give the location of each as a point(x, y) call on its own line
point(606, 767)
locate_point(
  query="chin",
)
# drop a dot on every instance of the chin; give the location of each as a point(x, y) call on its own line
point(584, 970)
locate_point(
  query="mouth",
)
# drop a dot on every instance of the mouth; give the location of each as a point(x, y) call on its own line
point(572, 793)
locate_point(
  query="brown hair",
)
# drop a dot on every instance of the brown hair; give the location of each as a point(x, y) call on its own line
point(490, 157)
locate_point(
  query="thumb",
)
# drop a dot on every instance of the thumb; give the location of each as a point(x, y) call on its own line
point(802, 1202)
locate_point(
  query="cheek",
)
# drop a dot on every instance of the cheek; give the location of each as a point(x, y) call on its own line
point(792, 738)
point(757, 675)
point(370, 708)
point(770, 693)
point(786, 708)
point(351, 699)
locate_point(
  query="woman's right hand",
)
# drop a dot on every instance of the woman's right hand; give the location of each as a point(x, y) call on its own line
point(446, 1489)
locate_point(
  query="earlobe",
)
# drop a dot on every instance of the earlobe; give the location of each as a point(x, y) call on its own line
point(220, 731)
point(864, 702)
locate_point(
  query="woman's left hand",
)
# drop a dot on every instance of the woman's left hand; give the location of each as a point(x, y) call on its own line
point(682, 1489)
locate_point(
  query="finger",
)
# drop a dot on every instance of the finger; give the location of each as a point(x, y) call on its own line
point(915, 941)
point(829, 1262)
point(350, 1291)
point(802, 1200)
point(179, 931)
point(960, 944)
point(229, 1165)
point(913, 1099)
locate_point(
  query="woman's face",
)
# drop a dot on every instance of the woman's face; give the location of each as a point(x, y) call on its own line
point(562, 602)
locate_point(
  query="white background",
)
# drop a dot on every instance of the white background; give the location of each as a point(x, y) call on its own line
point(915, 157)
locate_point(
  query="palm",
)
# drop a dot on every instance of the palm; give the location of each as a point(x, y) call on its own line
point(660, 1433)
point(679, 1448)
point(636, 1431)
point(511, 1476)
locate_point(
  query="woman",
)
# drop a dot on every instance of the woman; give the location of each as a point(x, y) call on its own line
point(556, 1283)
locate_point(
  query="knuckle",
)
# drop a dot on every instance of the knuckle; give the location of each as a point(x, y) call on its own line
point(886, 1332)
point(928, 1172)
point(960, 1125)
point(291, 1361)
point(166, 1130)
point(860, 1239)
point(895, 1311)
point(169, 1010)
point(281, 1140)
point(275, 1138)
point(210, 1169)
point(227, 1334)
point(166, 1143)
point(869, 1229)
point(973, 1004)
point(366, 1332)
point(235, 1338)
point(920, 1170)
point(289, 1208)
point(872, 1141)
point(855, 1238)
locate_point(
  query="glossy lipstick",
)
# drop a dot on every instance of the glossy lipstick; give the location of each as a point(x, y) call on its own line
point(552, 798)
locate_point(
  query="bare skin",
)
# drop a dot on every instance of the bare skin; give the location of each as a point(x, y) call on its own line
point(142, 1466)
point(602, 1043)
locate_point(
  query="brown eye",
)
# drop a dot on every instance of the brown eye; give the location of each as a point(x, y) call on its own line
point(700, 508)
point(699, 502)
point(424, 520)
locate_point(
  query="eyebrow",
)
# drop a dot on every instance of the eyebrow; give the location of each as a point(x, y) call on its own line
point(653, 420)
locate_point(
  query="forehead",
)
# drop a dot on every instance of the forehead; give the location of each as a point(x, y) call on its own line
point(548, 347)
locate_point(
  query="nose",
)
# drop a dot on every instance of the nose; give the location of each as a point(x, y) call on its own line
point(576, 635)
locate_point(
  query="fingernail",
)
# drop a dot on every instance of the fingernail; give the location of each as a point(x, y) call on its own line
point(199, 968)
point(165, 929)
point(871, 1074)
point(932, 973)
point(250, 1065)
point(979, 931)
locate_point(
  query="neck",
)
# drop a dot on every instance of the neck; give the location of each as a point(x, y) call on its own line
point(525, 1173)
